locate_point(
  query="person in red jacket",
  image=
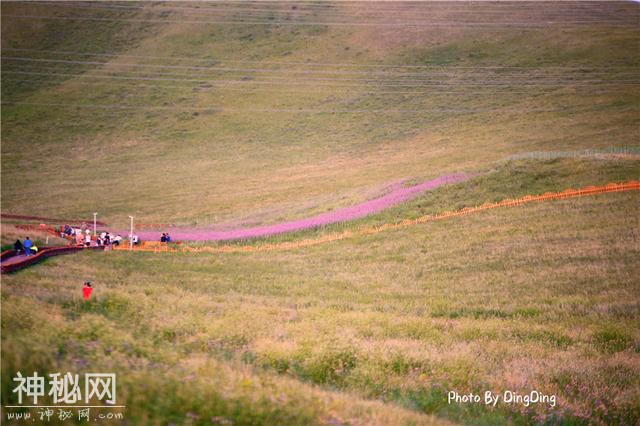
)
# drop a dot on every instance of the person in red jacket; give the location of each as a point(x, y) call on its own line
point(87, 290)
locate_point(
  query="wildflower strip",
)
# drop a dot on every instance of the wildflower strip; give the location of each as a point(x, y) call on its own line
point(569, 193)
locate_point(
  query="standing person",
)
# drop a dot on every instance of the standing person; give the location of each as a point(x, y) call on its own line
point(17, 246)
point(87, 239)
point(87, 290)
point(27, 246)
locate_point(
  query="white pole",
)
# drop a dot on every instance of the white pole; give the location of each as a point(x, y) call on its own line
point(131, 234)
point(94, 224)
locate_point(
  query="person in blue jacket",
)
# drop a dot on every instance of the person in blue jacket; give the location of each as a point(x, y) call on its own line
point(27, 246)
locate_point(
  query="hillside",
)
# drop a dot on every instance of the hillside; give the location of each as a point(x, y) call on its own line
point(282, 118)
point(374, 330)
point(225, 117)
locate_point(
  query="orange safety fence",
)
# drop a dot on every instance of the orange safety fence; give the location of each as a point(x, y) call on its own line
point(157, 247)
point(39, 228)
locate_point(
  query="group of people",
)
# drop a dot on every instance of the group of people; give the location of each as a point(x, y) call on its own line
point(82, 236)
point(27, 247)
point(165, 238)
point(107, 238)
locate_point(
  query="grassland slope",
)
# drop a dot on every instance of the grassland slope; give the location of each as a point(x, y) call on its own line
point(255, 113)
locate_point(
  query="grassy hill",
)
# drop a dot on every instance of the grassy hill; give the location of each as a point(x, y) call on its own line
point(249, 127)
point(247, 113)
point(542, 297)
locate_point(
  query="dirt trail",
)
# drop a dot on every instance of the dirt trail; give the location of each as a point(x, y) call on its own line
point(49, 219)
point(397, 195)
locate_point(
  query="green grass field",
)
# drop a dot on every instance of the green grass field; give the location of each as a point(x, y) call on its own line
point(570, 90)
point(541, 297)
point(287, 110)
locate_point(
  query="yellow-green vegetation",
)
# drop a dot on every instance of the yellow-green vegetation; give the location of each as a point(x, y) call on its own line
point(143, 109)
point(566, 87)
point(507, 180)
point(371, 330)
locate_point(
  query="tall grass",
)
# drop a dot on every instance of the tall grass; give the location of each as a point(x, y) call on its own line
point(203, 168)
point(541, 297)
